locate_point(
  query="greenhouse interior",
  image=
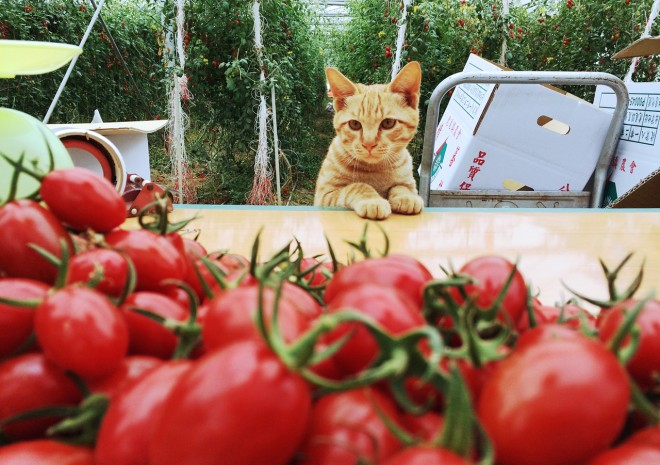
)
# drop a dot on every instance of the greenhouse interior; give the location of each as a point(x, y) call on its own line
point(329, 232)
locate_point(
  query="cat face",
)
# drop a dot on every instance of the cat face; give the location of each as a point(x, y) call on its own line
point(375, 123)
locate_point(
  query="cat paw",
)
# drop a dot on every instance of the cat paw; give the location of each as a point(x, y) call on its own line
point(407, 204)
point(373, 209)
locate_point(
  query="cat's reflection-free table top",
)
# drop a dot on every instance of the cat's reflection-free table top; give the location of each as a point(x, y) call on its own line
point(553, 246)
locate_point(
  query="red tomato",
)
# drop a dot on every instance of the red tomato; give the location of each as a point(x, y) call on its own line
point(649, 436)
point(236, 406)
point(406, 276)
point(426, 426)
point(86, 266)
point(16, 322)
point(628, 454)
point(644, 366)
point(426, 455)
point(571, 316)
point(392, 309)
point(317, 276)
point(556, 402)
point(28, 382)
point(146, 336)
point(128, 423)
point(230, 317)
point(131, 369)
point(81, 330)
point(83, 200)
point(346, 427)
point(45, 452)
point(155, 258)
point(548, 332)
point(25, 222)
point(490, 274)
point(193, 248)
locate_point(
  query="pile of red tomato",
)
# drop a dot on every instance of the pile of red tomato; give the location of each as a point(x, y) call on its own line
point(139, 347)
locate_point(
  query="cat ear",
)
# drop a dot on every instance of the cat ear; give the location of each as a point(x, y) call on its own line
point(340, 86)
point(407, 82)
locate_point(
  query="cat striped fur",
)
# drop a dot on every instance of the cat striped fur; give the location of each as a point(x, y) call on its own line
point(368, 167)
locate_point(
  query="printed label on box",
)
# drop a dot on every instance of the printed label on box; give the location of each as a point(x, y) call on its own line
point(637, 155)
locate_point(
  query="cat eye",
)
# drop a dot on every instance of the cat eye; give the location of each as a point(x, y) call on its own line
point(354, 125)
point(388, 123)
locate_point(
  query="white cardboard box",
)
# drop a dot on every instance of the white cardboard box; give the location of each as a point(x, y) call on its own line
point(638, 152)
point(516, 137)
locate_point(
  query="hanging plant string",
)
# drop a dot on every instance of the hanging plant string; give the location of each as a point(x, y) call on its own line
point(261, 186)
point(401, 36)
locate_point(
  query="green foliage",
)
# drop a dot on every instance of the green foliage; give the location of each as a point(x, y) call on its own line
point(100, 80)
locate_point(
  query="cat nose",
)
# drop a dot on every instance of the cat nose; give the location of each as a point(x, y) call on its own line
point(369, 145)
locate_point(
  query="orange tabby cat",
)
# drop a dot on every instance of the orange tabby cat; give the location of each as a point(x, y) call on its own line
point(368, 167)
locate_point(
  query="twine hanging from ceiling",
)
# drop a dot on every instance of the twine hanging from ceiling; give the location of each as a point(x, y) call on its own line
point(655, 9)
point(261, 193)
point(401, 36)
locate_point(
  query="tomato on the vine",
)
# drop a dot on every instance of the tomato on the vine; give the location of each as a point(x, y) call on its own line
point(107, 267)
point(45, 452)
point(23, 224)
point(128, 423)
point(644, 366)
point(348, 427)
point(81, 330)
point(17, 322)
point(395, 311)
point(555, 402)
point(490, 274)
point(83, 200)
point(426, 455)
point(155, 258)
point(146, 336)
point(28, 382)
point(236, 406)
point(406, 275)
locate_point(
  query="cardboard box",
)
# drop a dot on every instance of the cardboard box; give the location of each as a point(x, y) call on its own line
point(516, 137)
point(634, 176)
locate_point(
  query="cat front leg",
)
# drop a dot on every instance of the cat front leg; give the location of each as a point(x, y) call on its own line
point(404, 200)
point(360, 197)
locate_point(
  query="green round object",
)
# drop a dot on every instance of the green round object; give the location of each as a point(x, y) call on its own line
point(24, 135)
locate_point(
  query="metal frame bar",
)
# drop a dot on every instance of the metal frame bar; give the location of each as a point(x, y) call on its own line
point(530, 77)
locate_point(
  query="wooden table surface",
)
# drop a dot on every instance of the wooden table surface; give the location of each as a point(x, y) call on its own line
point(552, 246)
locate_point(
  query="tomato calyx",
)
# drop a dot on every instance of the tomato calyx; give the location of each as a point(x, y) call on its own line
point(155, 216)
point(188, 332)
point(362, 246)
point(79, 424)
point(615, 296)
